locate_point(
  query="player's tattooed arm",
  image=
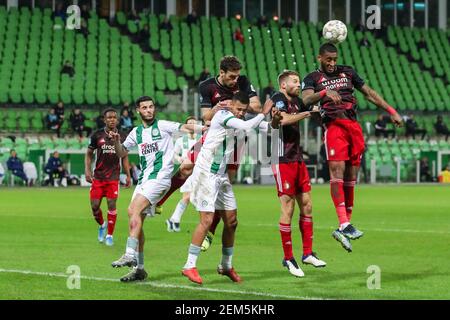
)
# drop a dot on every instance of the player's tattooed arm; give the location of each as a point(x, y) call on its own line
point(88, 164)
point(372, 96)
point(120, 150)
point(126, 170)
point(310, 97)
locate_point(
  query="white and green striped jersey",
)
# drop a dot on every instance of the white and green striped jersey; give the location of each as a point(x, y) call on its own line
point(219, 142)
point(156, 149)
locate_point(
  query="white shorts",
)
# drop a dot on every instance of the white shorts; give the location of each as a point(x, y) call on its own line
point(154, 190)
point(209, 191)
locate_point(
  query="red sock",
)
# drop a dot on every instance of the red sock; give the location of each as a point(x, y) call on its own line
point(112, 216)
point(98, 216)
point(286, 241)
point(214, 223)
point(349, 191)
point(176, 183)
point(337, 194)
point(306, 228)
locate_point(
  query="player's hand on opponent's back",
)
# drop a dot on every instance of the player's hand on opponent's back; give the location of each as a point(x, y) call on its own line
point(397, 120)
point(335, 96)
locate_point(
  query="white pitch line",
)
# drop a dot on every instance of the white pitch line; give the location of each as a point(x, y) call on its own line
point(249, 224)
point(164, 285)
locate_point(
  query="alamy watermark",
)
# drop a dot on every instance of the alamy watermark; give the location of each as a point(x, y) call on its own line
point(373, 21)
point(74, 278)
point(374, 280)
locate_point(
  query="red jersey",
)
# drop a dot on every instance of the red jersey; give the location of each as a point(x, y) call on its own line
point(343, 80)
point(107, 163)
point(289, 149)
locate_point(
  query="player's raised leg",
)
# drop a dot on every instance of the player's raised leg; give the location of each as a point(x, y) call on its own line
point(306, 228)
point(350, 177)
point(173, 223)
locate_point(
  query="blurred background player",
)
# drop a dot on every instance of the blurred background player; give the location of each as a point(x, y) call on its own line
point(154, 139)
point(182, 147)
point(215, 94)
point(333, 85)
point(105, 182)
point(210, 186)
point(290, 172)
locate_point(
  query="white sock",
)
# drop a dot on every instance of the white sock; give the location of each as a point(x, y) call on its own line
point(194, 252)
point(227, 257)
point(178, 213)
point(343, 226)
point(132, 245)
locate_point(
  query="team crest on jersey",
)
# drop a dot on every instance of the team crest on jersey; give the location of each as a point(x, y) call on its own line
point(279, 105)
point(204, 203)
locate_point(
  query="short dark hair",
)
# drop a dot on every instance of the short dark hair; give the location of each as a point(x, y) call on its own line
point(285, 74)
point(143, 99)
point(327, 47)
point(109, 110)
point(230, 63)
point(189, 118)
point(242, 97)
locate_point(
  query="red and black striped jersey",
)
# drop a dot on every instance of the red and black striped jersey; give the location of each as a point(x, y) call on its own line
point(107, 163)
point(343, 80)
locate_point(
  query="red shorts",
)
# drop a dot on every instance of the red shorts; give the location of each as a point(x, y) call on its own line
point(292, 178)
point(344, 141)
point(108, 189)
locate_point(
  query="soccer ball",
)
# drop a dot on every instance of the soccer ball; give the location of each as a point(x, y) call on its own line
point(334, 31)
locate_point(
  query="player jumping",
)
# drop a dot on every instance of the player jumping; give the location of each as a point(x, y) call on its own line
point(333, 85)
point(105, 182)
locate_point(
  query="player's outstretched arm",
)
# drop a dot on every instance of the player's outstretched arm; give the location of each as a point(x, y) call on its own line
point(192, 128)
point(120, 150)
point(287, 119)
point(372, 96)
point(88, 164)
point(239, 124)
point(310, 97)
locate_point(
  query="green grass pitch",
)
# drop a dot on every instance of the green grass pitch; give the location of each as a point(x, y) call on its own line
point(407, 235)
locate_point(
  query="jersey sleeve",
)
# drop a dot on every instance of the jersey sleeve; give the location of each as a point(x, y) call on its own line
point(131, 140)
point(308, 83)
point(178, 149)
point(248, 88)
point(169, 126)
point(279, 102)
point(224, 116)
point(93, 142)
point(204, 95)
point(239, 124)
point(357, 81)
